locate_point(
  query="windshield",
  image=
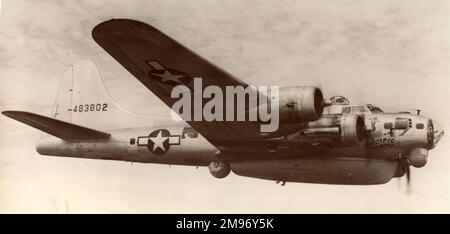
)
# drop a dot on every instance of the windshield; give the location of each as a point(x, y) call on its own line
point(374, 109)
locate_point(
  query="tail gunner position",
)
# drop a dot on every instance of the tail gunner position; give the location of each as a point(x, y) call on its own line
point(318, 141)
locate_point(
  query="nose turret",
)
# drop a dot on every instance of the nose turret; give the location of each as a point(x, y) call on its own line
point(434, 133)
point(418, 156)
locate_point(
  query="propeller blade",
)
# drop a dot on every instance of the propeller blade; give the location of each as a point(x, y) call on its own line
point(408, 180)
point(408, 175)
point(404, 165)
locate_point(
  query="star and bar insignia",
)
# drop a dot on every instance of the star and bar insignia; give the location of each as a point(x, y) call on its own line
point(167, 75)
point(159, 141)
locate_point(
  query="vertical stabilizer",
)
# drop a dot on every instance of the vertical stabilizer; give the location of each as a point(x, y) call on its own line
point(83, 100)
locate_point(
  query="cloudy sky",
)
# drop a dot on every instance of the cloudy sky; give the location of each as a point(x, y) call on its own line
point(395, 54)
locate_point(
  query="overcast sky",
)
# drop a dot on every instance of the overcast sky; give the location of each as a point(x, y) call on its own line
point(394, 54)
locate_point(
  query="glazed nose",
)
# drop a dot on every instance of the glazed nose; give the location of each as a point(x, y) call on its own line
point(434, 133)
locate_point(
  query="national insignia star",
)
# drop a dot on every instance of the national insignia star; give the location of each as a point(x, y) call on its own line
point(168, 76)
point(158, 141)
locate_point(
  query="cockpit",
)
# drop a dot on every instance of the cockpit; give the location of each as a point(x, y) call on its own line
point(361, 109)
point(341, 105)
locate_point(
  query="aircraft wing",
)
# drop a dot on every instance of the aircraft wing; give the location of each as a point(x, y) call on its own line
point(160, 63)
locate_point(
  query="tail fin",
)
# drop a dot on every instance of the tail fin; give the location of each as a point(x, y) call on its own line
point(83, 108)
point(83, 100)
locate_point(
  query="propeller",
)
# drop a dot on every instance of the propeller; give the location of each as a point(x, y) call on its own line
point(405, 166)
point(408, 181)
point(408, 176)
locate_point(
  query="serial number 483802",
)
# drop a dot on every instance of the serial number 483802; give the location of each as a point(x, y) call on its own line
point(90, 107)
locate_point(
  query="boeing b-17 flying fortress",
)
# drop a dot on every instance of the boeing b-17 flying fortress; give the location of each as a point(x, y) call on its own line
point(290, 134)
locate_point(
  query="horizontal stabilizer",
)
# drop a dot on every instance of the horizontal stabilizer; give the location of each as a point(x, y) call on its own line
point(56, 127)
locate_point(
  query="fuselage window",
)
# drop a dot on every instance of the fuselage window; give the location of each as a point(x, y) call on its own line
point(419, 126)
point(189, 132)
point(402, 123)
point(132, 141)
point(387, 125)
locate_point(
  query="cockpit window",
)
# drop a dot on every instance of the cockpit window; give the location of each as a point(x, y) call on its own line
point(346, 110)
point(359, 109)
point(374, 109)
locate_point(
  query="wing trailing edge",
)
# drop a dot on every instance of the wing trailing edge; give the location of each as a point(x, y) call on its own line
point(57, 128)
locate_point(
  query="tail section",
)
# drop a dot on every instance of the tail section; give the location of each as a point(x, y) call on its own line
point(83, 100)
point(83, 108)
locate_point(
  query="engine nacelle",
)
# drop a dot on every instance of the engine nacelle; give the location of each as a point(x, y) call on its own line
point(300, 104)
point(334, 129)
point(352, 129)
point(219, 169)
point(418, 157)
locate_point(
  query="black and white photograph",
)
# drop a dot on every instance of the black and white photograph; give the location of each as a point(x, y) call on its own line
point(224, 107)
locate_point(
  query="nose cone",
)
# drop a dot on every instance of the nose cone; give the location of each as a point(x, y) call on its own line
point(435, 133)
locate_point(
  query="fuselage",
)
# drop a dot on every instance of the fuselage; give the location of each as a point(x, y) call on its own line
point(293, 158)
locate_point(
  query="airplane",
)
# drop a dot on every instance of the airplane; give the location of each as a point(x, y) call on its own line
point(325, 141)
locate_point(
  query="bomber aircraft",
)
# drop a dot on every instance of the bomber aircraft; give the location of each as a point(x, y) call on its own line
point(318, 140)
